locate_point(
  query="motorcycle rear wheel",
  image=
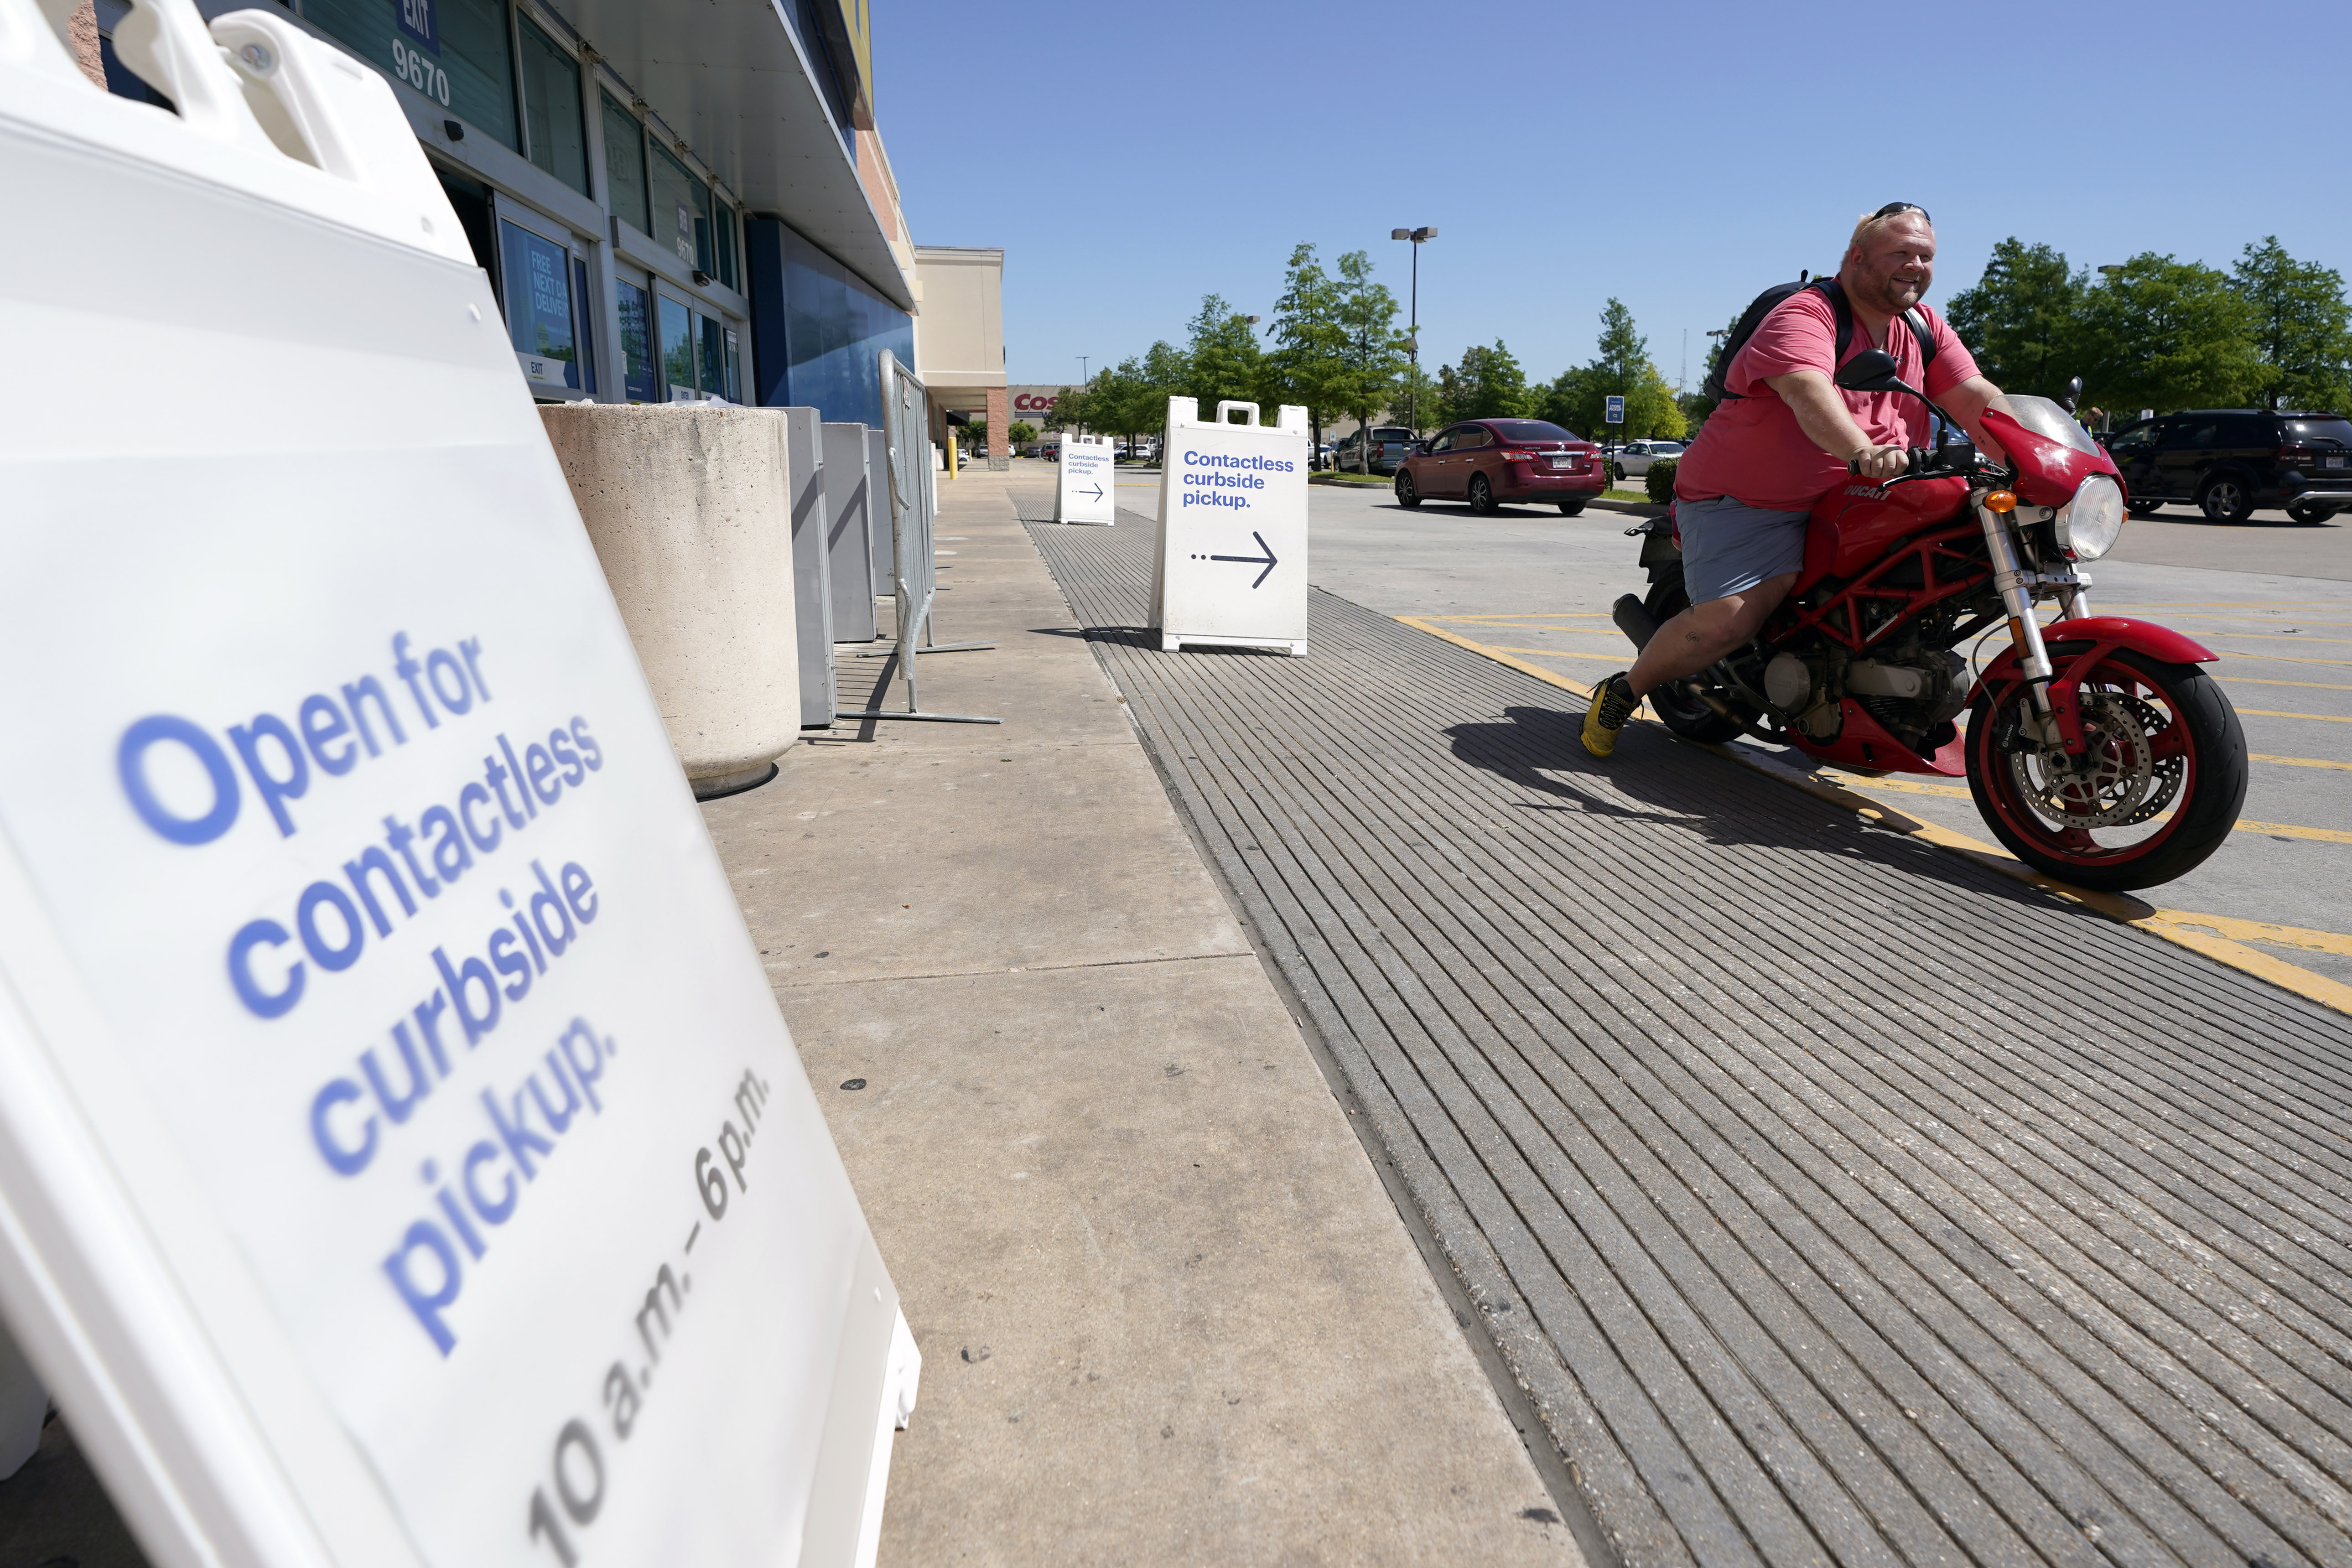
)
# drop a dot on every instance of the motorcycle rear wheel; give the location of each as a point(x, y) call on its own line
point(2160, 789)
point(1693, 721)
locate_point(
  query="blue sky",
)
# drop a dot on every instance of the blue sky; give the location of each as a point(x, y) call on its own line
point(1131, 157)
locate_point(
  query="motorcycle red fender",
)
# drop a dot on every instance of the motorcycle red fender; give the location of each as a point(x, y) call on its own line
point(2084, 646)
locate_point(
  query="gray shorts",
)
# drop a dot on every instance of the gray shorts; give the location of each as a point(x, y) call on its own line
point(1728, 546)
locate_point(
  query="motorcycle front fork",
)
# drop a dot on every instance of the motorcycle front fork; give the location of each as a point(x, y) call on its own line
point(2015, 584)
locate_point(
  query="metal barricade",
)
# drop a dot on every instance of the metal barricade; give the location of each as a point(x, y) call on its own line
point(914, 566)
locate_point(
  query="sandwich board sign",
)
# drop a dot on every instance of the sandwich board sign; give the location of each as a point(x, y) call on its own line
point(1231, 567)
point(403, 1161)
point(1087, 489)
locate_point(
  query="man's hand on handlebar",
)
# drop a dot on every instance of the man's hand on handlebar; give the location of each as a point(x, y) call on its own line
point(1880, 462)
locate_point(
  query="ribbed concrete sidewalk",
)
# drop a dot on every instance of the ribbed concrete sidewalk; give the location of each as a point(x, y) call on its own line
point(1168, 1311)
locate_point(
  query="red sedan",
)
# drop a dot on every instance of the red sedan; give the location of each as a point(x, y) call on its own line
point(1497, 462)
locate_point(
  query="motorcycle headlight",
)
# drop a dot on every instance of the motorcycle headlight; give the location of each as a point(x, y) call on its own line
point(2089, 524)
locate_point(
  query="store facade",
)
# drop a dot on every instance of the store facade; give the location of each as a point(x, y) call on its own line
point(631, 203)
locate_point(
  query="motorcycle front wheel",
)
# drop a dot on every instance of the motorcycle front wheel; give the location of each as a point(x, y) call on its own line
point(2157, 790)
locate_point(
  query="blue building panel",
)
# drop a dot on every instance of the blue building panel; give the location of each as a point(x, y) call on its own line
point(817, 329)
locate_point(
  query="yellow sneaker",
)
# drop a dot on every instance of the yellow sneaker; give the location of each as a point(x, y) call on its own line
point(1612, 704)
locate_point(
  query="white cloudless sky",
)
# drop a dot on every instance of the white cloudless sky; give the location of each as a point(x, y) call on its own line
point(1131, 157)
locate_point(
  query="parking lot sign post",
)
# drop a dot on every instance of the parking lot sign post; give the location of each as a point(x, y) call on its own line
point(1231, 566)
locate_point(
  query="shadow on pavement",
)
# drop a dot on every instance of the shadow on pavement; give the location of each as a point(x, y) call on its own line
point(1716, 799)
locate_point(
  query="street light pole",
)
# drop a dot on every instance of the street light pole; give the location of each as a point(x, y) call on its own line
point(1413, 337)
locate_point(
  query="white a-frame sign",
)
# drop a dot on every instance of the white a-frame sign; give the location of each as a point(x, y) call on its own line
point(402, 1159)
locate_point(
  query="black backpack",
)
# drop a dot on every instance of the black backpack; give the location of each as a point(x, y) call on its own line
point(1753, 316)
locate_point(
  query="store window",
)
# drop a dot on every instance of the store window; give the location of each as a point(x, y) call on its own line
point(551, 105)
point(681, 207)
point(454, 52)
point(714, 355)
point(625, 165)
point(539, 310)
point(723, 235)
point(639, 383)
point(677, 349)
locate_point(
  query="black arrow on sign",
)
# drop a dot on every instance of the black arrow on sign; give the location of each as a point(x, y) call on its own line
point(1266, 560)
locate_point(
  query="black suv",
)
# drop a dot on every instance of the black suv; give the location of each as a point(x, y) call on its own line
point(2231, 460)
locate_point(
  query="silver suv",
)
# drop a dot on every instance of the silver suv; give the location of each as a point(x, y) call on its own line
point(1391, 445)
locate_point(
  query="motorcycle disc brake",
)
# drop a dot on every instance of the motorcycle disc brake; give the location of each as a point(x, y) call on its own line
point(2116, 782)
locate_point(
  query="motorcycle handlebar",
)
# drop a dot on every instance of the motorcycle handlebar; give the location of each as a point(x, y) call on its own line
point(1918, 457)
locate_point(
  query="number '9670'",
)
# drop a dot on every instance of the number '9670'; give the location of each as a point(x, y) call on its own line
point(420, 73)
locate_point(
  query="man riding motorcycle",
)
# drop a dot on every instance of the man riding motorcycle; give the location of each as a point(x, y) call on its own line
point(1785, 437)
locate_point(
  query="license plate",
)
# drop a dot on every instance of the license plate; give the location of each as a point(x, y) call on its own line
point(1564, 462)
point(2331, 462)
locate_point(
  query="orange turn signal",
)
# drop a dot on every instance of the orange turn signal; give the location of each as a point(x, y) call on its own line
point(2001, 500)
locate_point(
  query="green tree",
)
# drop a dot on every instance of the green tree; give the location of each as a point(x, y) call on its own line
point(1309, 366)
point(1416, 401)
point(1226, 365)
point(2302, 329)
point(1374, 349)
point(1623, 351)
point(1651, 409)
point(1573, 401)
point(2164, 334)
point(1021, 432)
point(1072, 409)
point(1578, 397)
point(1487, 383)
point(2022, 318)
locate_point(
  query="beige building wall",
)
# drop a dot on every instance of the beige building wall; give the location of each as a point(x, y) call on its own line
point(960, 336)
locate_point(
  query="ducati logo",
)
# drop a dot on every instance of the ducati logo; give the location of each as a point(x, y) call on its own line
point(1873, 492)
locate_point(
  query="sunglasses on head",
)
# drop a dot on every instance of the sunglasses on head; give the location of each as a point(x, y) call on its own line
point(1891, 208)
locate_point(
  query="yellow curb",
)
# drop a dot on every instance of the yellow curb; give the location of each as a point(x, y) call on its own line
point(2211, 935)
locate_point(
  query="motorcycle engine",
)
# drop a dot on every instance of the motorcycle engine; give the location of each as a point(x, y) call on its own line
point(1940, 679)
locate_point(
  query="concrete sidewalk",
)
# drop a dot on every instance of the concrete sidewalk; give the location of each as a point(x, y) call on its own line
point(1168, 1311)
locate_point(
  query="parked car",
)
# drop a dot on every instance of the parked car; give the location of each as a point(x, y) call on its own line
point(1496, 462)
point(1323, 455)
point(1635, 456)
point(1388, 445)
point(2227, 462)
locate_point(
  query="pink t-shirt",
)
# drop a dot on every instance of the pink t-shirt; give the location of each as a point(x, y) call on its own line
point(1751, 447)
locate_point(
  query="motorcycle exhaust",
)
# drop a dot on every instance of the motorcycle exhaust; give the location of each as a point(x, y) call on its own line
point(1633, 620)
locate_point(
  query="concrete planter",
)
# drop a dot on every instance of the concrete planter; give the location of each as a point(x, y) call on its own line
point(689, 509)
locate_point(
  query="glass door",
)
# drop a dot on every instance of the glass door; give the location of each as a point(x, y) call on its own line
point(640, 381)
point(542, 303)
point(675, 326)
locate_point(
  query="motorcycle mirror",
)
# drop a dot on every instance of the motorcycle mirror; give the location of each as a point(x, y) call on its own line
point(1872, 370)
point(2072, 395)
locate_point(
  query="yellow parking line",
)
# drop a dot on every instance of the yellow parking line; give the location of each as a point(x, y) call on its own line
point(1625, 657)
point(2283, 657)
point(1955, 792)
point(2281, 713)
point(2282, 830)
point(1531, 616)
point(2313, 685)
point(2219, 937)
point(2298, 761)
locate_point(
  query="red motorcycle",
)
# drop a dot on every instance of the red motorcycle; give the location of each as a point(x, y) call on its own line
point(2097, 749)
